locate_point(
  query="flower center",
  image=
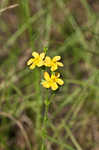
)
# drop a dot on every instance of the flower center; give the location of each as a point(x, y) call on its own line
point(50, 82)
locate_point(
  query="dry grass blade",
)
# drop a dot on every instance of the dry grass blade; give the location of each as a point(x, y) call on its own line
point(4, 114)
point(9, 7)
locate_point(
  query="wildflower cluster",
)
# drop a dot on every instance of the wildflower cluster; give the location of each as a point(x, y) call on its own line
point(40, 60)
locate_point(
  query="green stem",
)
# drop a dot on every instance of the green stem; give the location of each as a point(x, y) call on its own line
point(44, 130)
point(47, 102)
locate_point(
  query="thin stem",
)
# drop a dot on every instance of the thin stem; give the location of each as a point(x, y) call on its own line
point(45, 119)
point(44, 130)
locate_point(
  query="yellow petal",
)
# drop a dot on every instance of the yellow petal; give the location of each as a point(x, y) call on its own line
point(35, 54)
point(57, 74)
point(40, 63)
point(60, 81)
point(45, 84)
point(60, 64)
point(53, 76)
point(54, 67)
point(47, 61)
point(42, 55)
point(54, 86)
point(30, 61)
point(56, 58)
point(32, 66)
point(46, 76)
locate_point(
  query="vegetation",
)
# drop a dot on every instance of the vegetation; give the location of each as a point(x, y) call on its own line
point(69, 29)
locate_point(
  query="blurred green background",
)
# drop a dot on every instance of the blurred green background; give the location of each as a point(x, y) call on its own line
point(69, 28)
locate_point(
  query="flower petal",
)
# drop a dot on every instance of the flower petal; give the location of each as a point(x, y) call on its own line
point(35, 54)
point(47, 61)
point(60, 64)
point(32, 66)
point(60, 81)
point(42, 55)
point(30, 61)
point(57, 74)
point(54, 86)
point(54, 67)
point(46, 76)
point(53, 77)
point(40, 63)
point(56, 58)
point(45, 84)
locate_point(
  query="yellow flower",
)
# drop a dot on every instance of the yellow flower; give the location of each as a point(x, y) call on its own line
point(53, 63)
point(53, 81)
point(36, 61)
